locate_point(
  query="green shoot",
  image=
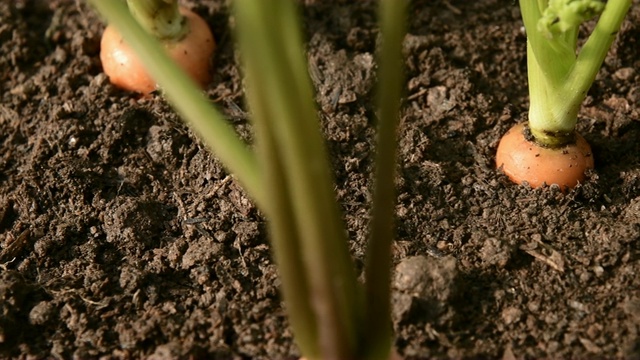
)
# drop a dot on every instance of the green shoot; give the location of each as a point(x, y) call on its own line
point(160, 18)
point(558, 77)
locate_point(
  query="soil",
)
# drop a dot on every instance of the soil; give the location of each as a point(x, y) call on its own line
point(121, 236)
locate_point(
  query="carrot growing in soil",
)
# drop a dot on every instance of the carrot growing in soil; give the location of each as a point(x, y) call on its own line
point(548, 150)
point(184, 35)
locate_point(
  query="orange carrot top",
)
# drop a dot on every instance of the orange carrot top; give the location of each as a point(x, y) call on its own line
point(185, 36)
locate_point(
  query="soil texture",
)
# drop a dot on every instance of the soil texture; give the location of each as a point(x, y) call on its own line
point(121, 236)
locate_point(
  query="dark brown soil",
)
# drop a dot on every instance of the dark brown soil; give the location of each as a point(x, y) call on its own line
point(122, 237)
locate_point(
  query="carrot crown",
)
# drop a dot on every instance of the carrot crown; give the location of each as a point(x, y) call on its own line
point(160, 18)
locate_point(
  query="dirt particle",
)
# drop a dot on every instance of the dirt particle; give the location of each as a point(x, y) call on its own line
point(424, 285)
point(200, 251)
point(42, 313)
point(495, 252)
point(631, 307)
point(511, 315)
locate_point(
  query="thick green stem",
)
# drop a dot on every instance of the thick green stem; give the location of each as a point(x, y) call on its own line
point(160, 18)
point(284, 236)
point(552, 116)
point(283, 229)
point(271, 45)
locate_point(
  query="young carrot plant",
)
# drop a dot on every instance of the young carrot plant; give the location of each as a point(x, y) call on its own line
point(332, 315)
point(548, 150)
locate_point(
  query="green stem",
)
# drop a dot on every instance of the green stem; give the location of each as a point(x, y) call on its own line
point(271, 46)
point(377, 330)
point(284, 237)
point(558, 78)
point(552, 117)
point(188, 100)
point(554, 58)
point(285, 241)
point(595, 50)
point(160, 18)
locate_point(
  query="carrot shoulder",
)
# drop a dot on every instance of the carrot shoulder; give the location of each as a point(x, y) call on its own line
point(193, 52)
point(522, 159)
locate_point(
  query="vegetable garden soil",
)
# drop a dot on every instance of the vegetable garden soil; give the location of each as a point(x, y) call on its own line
point(121, 236)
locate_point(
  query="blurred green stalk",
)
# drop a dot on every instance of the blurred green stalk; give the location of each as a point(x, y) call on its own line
point(281, 100)
point(377, 330)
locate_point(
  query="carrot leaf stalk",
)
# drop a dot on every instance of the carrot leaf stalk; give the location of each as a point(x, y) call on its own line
point(324, 301)
point(558, 77)
point(319, 285)
point(377, 332)
point(160, 18)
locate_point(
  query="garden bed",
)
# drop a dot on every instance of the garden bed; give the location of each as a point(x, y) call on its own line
point(121, 236)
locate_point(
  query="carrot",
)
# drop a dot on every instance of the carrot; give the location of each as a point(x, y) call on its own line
point(558, 83)
point(522, 159)
point(190, 45)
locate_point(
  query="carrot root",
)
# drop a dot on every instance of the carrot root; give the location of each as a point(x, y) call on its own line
point(523, 160)
point(193, 53)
